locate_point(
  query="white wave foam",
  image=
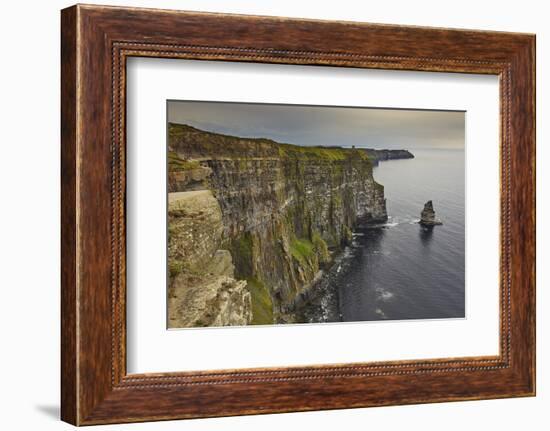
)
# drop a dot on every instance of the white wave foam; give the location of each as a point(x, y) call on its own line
point(384, 295)
point(380, 313)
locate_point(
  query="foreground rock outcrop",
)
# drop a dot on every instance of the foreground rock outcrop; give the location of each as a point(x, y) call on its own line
point(202, 289)
point(427, 216)
point(285, 211)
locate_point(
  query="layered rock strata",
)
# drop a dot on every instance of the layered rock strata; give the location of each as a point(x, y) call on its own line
point(285, 211)
point(427, 216)
point(202, 289)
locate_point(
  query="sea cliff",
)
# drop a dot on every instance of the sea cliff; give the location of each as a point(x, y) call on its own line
point(202, 290)
point(382, 155)
point(274, 215)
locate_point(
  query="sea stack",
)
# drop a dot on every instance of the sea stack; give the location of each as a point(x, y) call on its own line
point(427, 216)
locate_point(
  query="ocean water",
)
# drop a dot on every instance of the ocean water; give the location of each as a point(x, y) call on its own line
point(401, 270)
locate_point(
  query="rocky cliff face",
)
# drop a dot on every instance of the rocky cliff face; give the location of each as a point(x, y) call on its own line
point(382, 155)
point(202, 289)
point(427, 216)
point(285, 210)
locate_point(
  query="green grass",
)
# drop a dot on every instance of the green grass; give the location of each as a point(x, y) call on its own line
point(210, 143)
point(301, 249)
point(320, 247)
point(262, 306)
point(242, 252)
point(324, 153)
point(175, 130)
point(348, 234)
point(177, 164)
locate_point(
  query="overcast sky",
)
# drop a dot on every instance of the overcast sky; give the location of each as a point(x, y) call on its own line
point(314, 125)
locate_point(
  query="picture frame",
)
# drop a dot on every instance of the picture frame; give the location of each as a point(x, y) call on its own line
point(96, 42)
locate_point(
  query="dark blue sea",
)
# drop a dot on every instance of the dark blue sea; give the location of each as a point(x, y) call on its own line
point(400, 270)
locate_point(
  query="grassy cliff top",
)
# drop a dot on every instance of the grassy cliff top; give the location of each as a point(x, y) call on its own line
point(193, 143)
point(326, 153)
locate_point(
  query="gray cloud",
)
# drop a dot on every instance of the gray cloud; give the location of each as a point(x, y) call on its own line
point(317, 125)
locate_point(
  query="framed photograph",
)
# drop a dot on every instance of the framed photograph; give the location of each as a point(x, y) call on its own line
point(264, 215)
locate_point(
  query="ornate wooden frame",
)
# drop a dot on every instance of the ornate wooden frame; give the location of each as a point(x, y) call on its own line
point(95, 43)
